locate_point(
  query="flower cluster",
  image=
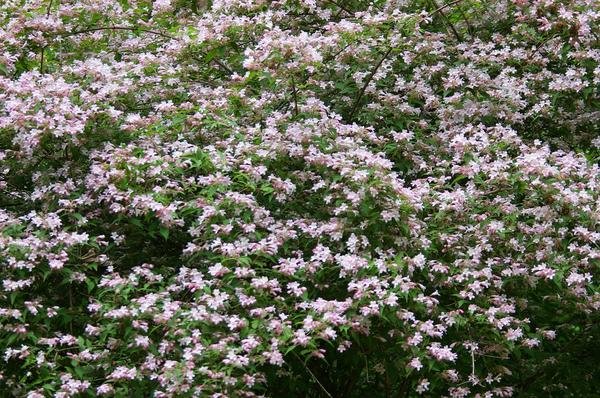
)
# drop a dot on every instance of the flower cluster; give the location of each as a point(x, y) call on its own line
point(299, 198)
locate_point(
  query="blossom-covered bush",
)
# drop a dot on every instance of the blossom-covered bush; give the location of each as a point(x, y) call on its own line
point(299, 198)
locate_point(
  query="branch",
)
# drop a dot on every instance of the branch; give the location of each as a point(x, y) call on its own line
point(335, 55)
point(313, 375)
point(546, 40)
point(222, 65)
point(218, 62)
point(44, 48)
point(444, 6)
point(445, 18)
point(340, 6)
point(469, 27)
point(154, 32)
point(369, 78)
point(294, 94)
point(472, 362)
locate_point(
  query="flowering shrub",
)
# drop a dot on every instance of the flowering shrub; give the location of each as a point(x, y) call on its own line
point(299, 198)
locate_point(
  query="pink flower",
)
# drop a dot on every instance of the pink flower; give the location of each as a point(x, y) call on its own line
point(123, 373)
point(441, 353)
point(104, 389)
point(514, 334)
point(415, 363)
point(422, 386)
point(274, 357)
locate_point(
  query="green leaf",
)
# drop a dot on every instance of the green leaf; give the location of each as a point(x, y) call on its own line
point(164, 232)
point(90, 285)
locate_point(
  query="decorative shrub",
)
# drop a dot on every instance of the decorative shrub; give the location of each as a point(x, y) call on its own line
point(299, 198)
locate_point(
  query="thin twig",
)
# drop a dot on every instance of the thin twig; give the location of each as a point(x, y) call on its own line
point(340, 6)
point(313, 375)
point(335, 55)
point(472, 362)
point(42, 59)
point(469, 27)
point(546, 40)
point(88, 255)
point(294, 95)
point(446, 20)
point(369, 78)
point(154, 32)
point(48, 9)
point(444, 6)
point(218, 62)
point(222, 65)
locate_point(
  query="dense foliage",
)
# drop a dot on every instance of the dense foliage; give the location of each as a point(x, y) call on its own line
point(299, 198)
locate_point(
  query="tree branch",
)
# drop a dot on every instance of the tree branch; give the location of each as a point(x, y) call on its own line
point(294, 95)
point(313, 375)
point(44, 47)
point(154, 32)
point(445, 18)
point(444, 6)
point(369, 78)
